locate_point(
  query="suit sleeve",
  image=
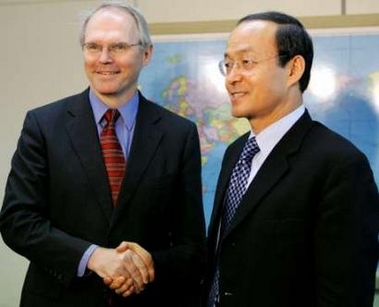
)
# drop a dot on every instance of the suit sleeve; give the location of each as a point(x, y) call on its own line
point(24, 220)
point(346, 235)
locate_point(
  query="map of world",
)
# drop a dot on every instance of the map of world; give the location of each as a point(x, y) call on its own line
point(343, 93)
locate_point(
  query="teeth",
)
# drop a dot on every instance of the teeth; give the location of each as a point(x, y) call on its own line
point(107, 73)
point(236, 95)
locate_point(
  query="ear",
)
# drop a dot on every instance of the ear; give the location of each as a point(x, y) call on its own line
point(147, 54)
point(296, 69)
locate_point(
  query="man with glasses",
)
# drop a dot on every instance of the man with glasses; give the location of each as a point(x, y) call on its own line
point(296, 212)
point(104, 195)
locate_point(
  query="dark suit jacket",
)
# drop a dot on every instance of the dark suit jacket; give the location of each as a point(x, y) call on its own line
point(305, 233)
point(58, 202)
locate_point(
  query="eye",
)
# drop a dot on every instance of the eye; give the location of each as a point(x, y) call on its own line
point(228, 65)
point(247, 64)
point(92, 47)
point(119, 47)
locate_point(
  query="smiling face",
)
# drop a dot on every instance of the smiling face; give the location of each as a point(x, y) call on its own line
point(113, 74)
point(264, 92)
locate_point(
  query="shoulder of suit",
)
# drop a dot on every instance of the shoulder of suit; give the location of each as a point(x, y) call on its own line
point(327, 140)
point(62, 103)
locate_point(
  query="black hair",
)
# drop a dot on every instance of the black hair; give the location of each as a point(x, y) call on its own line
point(291, 39)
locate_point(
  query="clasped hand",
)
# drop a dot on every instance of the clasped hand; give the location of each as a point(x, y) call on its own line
point(126, 269)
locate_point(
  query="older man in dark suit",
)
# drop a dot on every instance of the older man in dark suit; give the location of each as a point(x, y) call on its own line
point(104, 194)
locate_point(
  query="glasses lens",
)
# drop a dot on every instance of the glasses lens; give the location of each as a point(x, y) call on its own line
point(221, 67)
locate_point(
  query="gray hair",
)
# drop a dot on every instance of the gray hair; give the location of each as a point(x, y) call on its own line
point(143, 29)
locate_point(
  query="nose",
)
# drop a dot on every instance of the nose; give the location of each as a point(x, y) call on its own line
point(234, 74)
point(105, 56)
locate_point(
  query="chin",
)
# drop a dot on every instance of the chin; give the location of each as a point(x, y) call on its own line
point(106, 91)
point(237, 113)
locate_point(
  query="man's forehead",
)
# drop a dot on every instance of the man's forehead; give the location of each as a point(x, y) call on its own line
point(110, 22)
point(235, 50)
point(112, 15)
point(250, 36)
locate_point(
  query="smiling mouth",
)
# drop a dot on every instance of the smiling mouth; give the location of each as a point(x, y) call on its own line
point(107, 73)
point(237, 95)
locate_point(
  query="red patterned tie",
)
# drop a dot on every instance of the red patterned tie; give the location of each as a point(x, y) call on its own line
point(112, 152)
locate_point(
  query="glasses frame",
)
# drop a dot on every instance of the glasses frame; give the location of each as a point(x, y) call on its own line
point(113, 48)
point(253, 63)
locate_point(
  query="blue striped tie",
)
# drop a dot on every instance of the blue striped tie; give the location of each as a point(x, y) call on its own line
point(236, 190)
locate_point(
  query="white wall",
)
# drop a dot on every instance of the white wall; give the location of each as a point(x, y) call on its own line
point(40, 61)
point(201, 10)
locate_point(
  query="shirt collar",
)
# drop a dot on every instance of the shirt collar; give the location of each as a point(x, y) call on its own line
point(270, 136)
point(128, 111)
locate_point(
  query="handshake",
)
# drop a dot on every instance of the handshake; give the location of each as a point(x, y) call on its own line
point(126, 269)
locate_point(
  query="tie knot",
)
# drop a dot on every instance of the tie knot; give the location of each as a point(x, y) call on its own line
point(111, 115)
point(250, 149)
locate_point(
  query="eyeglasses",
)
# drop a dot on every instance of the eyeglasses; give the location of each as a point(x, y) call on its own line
point(245, 65)
point(115, 48)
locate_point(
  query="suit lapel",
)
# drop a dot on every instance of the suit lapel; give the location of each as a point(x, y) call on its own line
point(146, 139)
point(230, 160)
point(82, 131)
point(273, 169)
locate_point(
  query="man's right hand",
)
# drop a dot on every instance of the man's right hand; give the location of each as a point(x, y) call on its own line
point(108, 263)
point(126, 269)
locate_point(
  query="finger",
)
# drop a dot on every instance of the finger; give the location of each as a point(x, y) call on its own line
point(136, 268)
point(140, 265)
point(117, 283)
point(129, 292)
point(122, 247)
point(127, 286)
point(107, 280)
point(139, 285)
point(146, 258)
